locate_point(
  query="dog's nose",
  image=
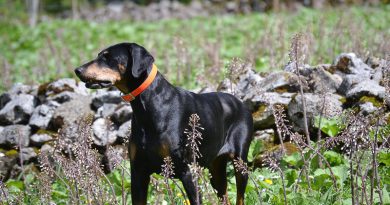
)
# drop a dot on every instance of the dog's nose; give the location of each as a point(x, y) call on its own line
point(78, 71)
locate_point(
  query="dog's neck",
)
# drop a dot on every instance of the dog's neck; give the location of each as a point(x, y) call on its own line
point(147, 99)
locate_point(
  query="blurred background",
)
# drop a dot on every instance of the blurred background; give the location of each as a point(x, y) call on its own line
point(192, 41)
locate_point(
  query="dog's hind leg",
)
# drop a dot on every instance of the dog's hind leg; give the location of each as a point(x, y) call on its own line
point(242, 136)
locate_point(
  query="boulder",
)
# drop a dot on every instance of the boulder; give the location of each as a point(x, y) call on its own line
point(367, 108)
point(27, 154)
point(349, 63)
point(262, 108)
point(106, 110)
point(46, 149)
point(102, 96)
point(366, 88)
point(113, 157)
point(322, 81)
point(19, 88)
point(327, 105)
point(42, 115)
point(124, 132)
point(18, 109)
point(7, 161)
point(15, 135)
point(64, 97)
point(66, 84)
point(122, 113)
point(70, 116)
point(226, 86)
point(282, 82)
point(104, 132)
point(4, 99)
point(40, 139)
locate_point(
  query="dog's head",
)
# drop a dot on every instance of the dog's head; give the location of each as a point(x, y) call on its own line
point(116, 65)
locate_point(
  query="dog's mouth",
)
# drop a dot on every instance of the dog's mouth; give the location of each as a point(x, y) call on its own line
point(98, 84)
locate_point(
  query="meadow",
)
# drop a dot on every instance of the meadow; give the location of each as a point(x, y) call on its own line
point(186, 49)
point(195, 53)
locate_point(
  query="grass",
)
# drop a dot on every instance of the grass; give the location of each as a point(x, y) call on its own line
point(348, 166)
point(186, 49)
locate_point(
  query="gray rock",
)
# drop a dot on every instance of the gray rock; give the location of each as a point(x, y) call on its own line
point(64, 96)
point(122, 113)
point(329, 105)
point(266, 135)
point(18, 110)
point(226, 86)
point(27, 154)
point(15, 135)
point(46, 149)
point(282, 82)
point(322, 81)
point(348, 82)
point(349, 63)
point(20, 88)
point(124, 131)
point(366, 88)
point(66, 84)
point(102, 96)
point(104, 132)
point(262, 108)
point(42, 115)
point(39, 139)
point(367, 108)
point(1, 129)
point(69, 115)
point(4, 99)
point(247, 81)
point(106, 110)
point(113, 157)
point(6, 164)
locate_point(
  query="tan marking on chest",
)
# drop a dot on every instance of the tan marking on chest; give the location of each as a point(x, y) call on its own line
point(163, 150)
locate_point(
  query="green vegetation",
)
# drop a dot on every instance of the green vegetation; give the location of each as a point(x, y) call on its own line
point(349, 164)
point(187, 49)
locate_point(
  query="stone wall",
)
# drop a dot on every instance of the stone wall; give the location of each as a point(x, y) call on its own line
point(33, 117)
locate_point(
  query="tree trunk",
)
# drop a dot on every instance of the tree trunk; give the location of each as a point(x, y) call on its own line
point(33, 9)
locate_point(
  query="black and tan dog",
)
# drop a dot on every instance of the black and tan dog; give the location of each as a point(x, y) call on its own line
point(161, 114)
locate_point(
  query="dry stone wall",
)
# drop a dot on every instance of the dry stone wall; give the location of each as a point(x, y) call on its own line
point(33, 117)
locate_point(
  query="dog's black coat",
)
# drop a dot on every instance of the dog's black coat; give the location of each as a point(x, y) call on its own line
point(161, 115)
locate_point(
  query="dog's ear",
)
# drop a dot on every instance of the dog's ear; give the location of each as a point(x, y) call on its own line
point(141, 60)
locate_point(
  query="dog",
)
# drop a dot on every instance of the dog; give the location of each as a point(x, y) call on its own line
point(161, 114)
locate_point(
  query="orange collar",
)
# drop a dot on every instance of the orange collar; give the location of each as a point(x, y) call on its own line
point(131, 96)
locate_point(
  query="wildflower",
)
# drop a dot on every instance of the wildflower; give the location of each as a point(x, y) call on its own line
point(268, 181)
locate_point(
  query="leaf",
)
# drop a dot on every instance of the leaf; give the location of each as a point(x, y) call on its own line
point(291, 176)
point(384, 157)
point(333, 158)
point(293, 159)
point(255, 149)
point(331, 126)
point(15, 186)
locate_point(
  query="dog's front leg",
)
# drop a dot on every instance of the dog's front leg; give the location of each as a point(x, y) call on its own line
point(139, 185)
point(192, 191)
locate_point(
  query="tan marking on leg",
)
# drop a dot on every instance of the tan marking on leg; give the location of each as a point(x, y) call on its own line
point(133, 150)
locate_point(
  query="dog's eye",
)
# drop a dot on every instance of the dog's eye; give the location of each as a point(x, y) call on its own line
point(105, 56)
